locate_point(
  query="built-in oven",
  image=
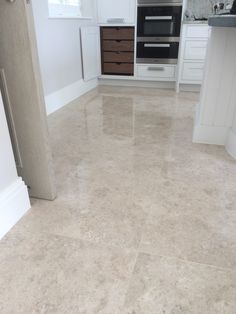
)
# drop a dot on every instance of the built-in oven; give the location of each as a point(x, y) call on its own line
point(158, 31)
point(164, 52)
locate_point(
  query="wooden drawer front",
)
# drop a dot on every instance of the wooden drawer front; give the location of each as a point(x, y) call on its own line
point(195, 50)
point(193, 72)
point(118, 45)
point(125, 33)
point(118, 57)
point(156, 71)
point(118, 68)
point(197, 31)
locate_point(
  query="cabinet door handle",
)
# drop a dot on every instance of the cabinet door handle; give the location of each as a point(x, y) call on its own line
point(192, 68)
point(160, 69)
point(116, 20)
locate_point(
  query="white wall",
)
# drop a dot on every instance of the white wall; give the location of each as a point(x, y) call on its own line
point(231, 140)
point(234, 124)
point(8, 172)
point(59, 47)
point(14, 199)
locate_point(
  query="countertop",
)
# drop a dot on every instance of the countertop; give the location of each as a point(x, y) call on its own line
point(194, 22)
point(223, 21)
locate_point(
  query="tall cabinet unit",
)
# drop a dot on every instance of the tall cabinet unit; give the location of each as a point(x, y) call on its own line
point(116, 11)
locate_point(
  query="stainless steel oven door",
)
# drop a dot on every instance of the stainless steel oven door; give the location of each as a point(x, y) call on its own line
point(157, 52)
point(162, 21)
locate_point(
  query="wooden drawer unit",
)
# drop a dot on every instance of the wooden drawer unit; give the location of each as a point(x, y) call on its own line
point(112, 33)
point(118, 57)
point(117, 47)
point(118, 68)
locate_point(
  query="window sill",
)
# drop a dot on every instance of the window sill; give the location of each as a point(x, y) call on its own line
point(70, 17)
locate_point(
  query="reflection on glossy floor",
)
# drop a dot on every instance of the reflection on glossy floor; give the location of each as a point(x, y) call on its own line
point(144, 223)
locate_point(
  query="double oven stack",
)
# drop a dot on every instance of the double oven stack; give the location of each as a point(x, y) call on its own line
point(158, 31)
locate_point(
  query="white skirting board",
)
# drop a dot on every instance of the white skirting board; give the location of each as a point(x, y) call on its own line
point(190, 88)
point(136, 83)
point(210, 134)
point(231, 144)
point(14, 203)
point(67, 94)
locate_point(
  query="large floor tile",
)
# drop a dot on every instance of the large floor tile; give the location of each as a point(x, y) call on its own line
point(172, 286)
point(51, 274)
point(113, 224)
point(207, 238)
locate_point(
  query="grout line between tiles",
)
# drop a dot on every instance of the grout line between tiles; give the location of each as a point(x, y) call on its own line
point(187, 261)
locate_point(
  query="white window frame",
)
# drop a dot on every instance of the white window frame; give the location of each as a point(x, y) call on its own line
point(64, 8)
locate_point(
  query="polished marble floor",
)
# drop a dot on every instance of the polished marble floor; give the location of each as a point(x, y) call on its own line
point(144, 222)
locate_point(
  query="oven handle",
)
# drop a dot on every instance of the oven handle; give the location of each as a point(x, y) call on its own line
point(156, 45)
point(158, 18)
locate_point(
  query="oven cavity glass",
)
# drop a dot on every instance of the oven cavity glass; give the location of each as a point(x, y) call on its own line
point(159, 21)
point(165, 28)
point(157, 52)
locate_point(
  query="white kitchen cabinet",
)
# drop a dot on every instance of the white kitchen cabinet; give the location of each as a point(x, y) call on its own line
point(156, 72)
point(192, 71)
point(91, 52)
point(196, 31)
point(193, 49)
point(116, 11)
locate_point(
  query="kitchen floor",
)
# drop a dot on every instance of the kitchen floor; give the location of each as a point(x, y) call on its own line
point(144, 222)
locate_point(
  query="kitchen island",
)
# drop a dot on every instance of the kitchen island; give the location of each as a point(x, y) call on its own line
point(215, 121)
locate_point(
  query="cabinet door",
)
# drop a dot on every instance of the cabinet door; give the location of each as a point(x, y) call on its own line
point(91, 52)
point(195, 49)
point(193, 71)
point(116, 11)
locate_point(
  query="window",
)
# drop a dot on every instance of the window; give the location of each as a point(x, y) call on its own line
point(64, 8)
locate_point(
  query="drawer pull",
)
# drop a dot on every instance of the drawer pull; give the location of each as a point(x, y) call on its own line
point(116, 20)
point(196, 68)
point(157, 45)
point(156, 69)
